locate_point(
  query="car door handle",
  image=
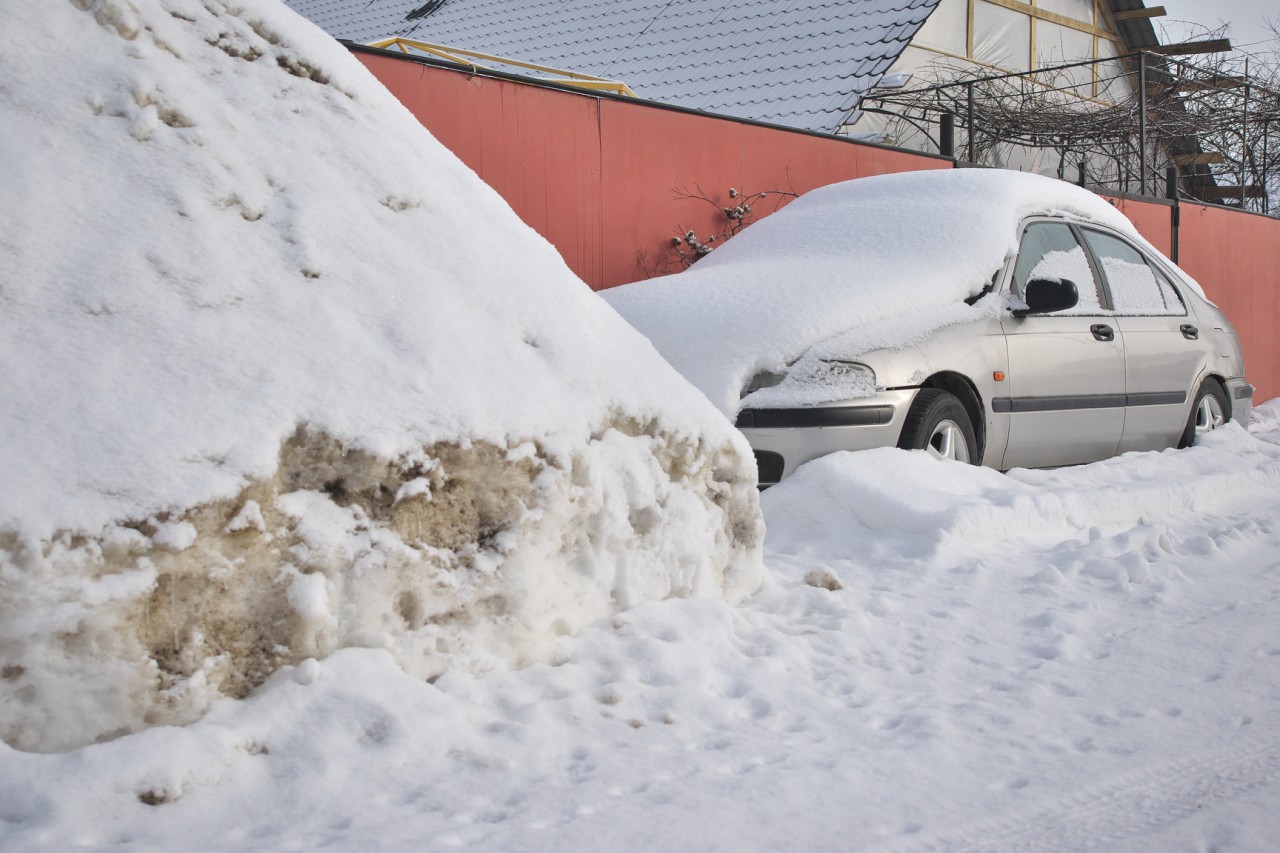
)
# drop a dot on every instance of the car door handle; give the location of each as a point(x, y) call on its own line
point(1103, 332)
point(1190, 332)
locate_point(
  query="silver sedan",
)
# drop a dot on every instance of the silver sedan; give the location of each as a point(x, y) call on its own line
point(1106, 349)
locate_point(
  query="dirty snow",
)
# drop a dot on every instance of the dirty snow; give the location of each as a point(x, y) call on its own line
point(844, 260)
point(281, 376)
point(943, 658)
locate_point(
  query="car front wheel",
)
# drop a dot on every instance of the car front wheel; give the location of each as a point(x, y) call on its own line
point(1211, 410)
point(938, 422)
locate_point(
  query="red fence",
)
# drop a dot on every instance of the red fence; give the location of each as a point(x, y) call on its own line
point(602, 179)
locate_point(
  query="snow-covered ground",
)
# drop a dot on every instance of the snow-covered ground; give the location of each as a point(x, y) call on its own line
point(292, 408)
point(943, 657)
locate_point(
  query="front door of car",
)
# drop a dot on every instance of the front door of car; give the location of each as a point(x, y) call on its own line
point(1164, 350)
point(1065, 388)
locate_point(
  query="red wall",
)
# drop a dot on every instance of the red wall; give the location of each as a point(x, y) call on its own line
point(1236, 258)
point(599, 177)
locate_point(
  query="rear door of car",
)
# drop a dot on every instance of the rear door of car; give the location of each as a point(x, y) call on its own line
point(1064, 392)
point(1164, 354)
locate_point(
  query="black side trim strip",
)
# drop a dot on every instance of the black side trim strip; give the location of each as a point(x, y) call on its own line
point(1005, 405)
point(820, 417)
point(1245, 392)
point(1158, 398)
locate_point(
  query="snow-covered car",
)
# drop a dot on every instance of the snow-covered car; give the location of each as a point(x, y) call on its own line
point(991, 317)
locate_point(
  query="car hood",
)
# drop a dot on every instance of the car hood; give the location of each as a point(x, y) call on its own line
point(909, 247)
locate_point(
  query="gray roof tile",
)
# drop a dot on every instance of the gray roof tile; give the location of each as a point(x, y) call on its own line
point(801, 63)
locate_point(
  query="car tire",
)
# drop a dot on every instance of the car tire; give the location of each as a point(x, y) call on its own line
point(938, 422)
point(1210, 410)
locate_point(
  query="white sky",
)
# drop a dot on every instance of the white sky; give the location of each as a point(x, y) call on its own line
point(1247, 19)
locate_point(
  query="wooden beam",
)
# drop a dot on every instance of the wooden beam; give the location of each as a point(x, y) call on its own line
point(1188, 48)
point(1052, 17)
point(1205, 158)
point(1133, 14)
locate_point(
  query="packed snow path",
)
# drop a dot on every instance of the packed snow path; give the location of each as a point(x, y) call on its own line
point(945, 658)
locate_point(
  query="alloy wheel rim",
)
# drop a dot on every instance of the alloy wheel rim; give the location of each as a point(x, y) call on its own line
point(947, 442)
point(1208, 415)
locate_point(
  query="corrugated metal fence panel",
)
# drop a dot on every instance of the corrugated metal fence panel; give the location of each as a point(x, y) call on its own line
point(538, 147)
point(1236, 258)
point(603, 179)
point(1152, 219)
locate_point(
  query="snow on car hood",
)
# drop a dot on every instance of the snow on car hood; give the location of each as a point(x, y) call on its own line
point(841, 261)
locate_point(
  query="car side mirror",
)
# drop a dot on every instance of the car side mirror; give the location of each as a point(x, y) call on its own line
point(1048, 295)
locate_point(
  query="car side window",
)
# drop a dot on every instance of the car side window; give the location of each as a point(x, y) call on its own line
point(1137, 288)
point(1050, 250)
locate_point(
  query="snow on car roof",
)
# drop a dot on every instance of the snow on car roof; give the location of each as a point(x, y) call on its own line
point(906, 247)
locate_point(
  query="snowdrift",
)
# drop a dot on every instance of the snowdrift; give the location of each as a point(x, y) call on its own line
point(281, 376)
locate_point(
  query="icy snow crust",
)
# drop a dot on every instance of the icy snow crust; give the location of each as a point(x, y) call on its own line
point(866, 264)
point(280, 375)
point(942, 658)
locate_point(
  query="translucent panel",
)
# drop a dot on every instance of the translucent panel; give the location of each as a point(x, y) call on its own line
point(1114, 81)
point(1058, 45)
point(1049, 250)
point(1076, 10)
point(947, 28)
point(1001, 37)
point(1135, 289)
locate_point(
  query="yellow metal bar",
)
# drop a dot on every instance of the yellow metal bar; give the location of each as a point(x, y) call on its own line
point(468, 57)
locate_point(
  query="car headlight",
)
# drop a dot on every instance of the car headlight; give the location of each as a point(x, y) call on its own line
point(811, 382)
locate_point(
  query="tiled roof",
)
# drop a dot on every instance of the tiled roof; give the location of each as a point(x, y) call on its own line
point(800, 63)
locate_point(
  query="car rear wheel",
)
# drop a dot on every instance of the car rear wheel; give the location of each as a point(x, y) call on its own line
point(1211, 410)
point(937, 422)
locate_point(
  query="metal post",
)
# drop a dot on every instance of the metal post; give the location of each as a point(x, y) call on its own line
point(1244, 138)
point(1175, 212)
point(1171, 183)
point(969, 119)
point(1142, 122)
point(1266, 167)
point(947, 135)
point(1083, 175)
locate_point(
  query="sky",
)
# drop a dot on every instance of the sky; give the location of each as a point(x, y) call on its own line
point(1247, 19)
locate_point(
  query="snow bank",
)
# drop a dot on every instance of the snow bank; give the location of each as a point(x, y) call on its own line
point(1027, 693)
point(841, 260)
point(889, 503)
point(281, 376)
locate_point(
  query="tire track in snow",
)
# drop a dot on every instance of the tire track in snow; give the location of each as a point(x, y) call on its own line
point(1129, 804)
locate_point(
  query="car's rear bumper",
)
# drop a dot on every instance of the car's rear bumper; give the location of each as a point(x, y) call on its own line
point(785, 439)
point(1241, 394)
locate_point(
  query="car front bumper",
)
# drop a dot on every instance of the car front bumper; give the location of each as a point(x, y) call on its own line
point(785, 439)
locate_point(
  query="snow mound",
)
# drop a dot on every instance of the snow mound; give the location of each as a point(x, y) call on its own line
point(890, 503)
point(837, 263)
point(282, 376)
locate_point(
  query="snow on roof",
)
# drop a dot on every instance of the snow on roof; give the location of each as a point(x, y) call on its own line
point(844, 257)
point(800, 64)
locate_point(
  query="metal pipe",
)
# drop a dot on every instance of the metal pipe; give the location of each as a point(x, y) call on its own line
point(1142, 123)
point(1266, 167)
point(1244, 138)
point(947, 135)
point(969, 124)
